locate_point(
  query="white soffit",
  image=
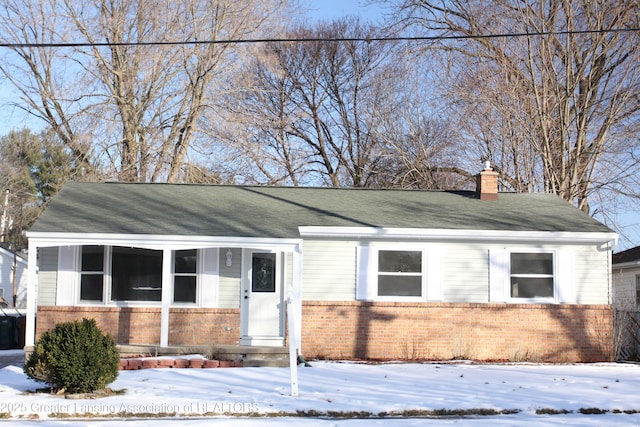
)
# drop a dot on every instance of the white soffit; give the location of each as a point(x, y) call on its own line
point(154, 241)
point(464, 235)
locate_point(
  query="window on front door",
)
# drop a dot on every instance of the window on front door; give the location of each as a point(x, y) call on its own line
point(532, 275)
point(263, 272)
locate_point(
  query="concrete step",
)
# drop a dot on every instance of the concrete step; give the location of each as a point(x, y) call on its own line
point(251, 356)
point(264, 363)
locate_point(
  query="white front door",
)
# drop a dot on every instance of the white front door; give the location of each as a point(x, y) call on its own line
point(262, 304)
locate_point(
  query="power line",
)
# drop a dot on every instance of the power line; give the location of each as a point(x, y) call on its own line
point(322, 39)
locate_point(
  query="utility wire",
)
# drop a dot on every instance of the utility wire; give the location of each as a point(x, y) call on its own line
point(321, 39)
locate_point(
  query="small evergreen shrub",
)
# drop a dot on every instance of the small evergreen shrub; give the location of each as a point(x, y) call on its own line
point(74, 357)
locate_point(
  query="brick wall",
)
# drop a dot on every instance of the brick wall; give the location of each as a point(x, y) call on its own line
point(141, 326)
point(204, 326)
point(366, 330)
point(443, 331)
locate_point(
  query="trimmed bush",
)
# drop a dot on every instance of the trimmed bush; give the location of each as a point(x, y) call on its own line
point(74, 357)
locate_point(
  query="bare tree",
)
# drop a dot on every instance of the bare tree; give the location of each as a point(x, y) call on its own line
point(311, 110)
point(494, 126)
point(132, 86)
point(421, 147)
point(570, 89)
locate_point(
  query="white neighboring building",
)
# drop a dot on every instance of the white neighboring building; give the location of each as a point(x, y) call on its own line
point(7, 261)
point(626, 279)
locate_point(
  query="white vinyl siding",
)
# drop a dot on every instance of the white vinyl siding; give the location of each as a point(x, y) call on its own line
point(565, 279)
point(591, 275)
point(288, 270)
point(209, 262)
point(47, 276)
point(329, 271)
point(465, 272)
point(6, 276)
point(581, 272)
point(435, 279)
point(229, 279)
point(479, 273)
point(624, 282)
point(68, 275)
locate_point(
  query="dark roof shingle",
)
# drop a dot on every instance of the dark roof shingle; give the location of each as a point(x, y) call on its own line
point(251, 211)
point(629, 255)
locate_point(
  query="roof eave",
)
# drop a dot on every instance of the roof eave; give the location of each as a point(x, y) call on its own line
point(155, 241)
point(628, 264)
point(458, 234)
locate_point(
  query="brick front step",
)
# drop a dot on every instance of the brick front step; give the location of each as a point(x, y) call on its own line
point(175, 363)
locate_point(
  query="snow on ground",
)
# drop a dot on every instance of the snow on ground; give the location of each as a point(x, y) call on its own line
point(193, 396)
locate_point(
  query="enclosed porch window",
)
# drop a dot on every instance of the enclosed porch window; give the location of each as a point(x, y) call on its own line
point(136, 274)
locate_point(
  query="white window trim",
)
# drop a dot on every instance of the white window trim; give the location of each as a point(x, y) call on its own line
point(197, 274)
point(542, 300)
point(107, 276)
point(422, 274)
point(431, 286)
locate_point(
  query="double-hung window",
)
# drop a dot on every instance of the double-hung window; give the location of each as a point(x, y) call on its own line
point(532, 275)
point(185, 276)
point(399, 273)
point(92, 273)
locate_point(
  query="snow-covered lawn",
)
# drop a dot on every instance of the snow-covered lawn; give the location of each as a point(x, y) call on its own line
point(329, 389)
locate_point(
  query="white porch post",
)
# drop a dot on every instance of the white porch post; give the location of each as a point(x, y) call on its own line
point(166, 297)
point(32, 298)
point(294, 314)
point(297, 293)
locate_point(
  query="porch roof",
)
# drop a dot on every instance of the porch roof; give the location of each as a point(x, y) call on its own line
point(277, 212)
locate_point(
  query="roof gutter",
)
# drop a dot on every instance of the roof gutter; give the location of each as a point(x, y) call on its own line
point(457, 234)
point(156, 241)
point(628, 264)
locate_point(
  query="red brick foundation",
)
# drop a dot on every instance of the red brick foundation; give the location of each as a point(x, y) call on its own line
point(367, 330)
point(443, 331)
point(141, 326)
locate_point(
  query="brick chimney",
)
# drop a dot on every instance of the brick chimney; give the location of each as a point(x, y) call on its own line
point(487, 183)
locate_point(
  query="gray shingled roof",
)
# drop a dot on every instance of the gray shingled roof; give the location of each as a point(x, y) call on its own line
point(629, 255)
point(245, 211)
